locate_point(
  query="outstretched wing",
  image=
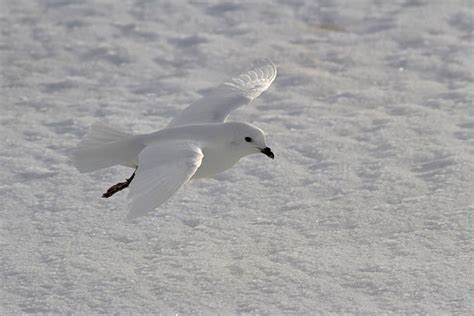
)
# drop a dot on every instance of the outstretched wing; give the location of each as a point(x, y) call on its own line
point(162, 170)
point(220, 101)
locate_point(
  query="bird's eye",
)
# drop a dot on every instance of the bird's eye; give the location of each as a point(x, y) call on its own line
point(248, 139)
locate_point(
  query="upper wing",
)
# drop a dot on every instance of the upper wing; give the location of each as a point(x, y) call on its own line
point(220, 101)
point(162, 170)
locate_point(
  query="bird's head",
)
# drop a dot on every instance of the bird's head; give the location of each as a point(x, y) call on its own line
point(250, 139)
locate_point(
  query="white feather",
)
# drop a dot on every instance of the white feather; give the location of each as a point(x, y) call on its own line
point(163, 169)
point(103, 147)
point(229, 96)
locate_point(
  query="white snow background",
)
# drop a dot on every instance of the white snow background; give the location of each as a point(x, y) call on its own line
point(367, 208)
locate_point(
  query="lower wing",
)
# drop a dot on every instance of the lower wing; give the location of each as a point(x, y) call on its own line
point(162, 170)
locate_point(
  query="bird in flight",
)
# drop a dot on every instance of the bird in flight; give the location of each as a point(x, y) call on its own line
point(197, 143)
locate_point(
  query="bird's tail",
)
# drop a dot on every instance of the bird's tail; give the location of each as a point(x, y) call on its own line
point(104, 146)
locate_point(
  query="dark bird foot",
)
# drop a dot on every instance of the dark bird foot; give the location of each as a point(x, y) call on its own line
point(118, 187)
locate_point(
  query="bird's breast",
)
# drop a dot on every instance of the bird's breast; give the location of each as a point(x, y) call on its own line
point(216, 160)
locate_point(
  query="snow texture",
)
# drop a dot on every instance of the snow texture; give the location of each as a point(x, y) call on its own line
point(367, 208)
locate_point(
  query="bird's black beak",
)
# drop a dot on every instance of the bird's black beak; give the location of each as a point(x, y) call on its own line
point(268, 152)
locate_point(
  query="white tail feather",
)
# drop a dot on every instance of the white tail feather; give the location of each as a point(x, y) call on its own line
point(103, 147)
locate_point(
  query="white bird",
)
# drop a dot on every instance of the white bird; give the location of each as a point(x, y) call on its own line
point(198, 143)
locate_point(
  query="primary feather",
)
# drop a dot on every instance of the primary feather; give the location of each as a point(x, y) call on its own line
point(215, 106)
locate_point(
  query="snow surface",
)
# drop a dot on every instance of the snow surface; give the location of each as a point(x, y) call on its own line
point(367, 208)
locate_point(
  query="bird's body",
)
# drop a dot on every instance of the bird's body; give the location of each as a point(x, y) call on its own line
point(217, 157)
point(196, 144)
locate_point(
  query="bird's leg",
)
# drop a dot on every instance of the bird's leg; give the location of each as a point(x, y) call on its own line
point(118, 187)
